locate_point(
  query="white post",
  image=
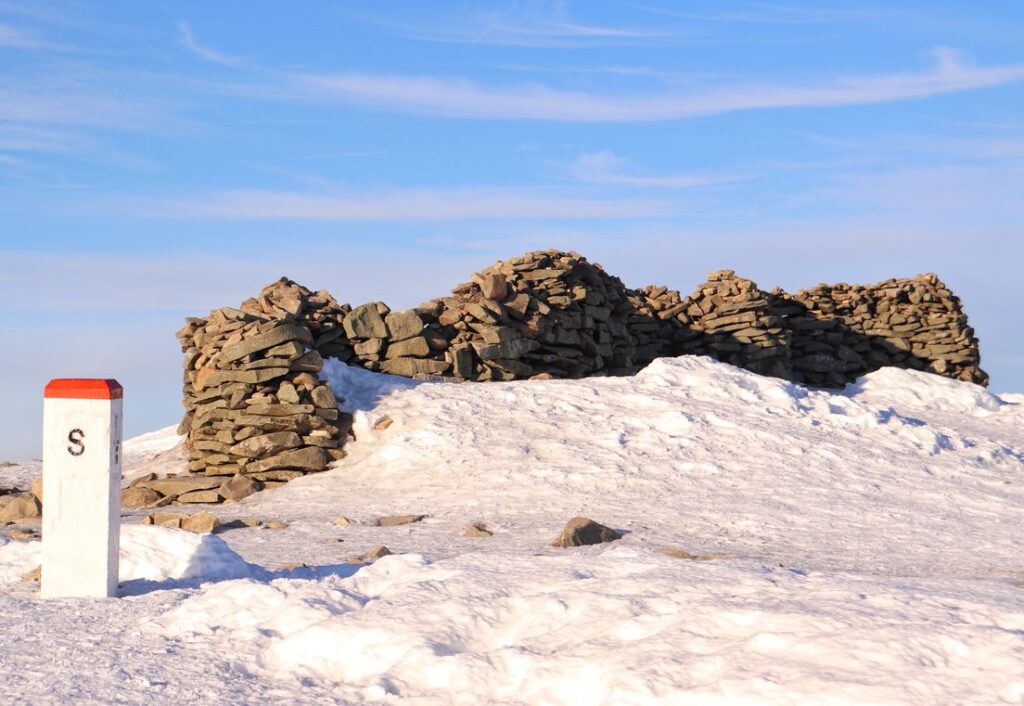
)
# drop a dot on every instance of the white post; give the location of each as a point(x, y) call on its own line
point(81, 488)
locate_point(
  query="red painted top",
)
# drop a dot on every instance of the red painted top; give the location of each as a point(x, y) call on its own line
point(84, 389)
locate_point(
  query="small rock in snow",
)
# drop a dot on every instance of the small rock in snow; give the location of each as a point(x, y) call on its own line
point(680, 554)
point(581, 531)
point(396, 520)
point(238, 486)
point(383, 423)
point(372, 555)
point(33, 575)
point(342, 521)
point(479, 530)
point(23, 534)
point(276, 524)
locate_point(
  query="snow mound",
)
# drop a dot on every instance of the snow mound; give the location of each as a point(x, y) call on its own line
point(622, 627)
point(149, 554)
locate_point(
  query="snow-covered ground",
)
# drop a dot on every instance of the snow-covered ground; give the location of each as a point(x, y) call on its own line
point(864, 547)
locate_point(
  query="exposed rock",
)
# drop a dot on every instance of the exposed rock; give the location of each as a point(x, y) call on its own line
point(341, 521)
point(238, 486)
point(20, 508)
point(680, 554)
point(37, 489)
point(403, 324)
point(23, 535)
point(276, 524)
point(477, 530)
point(138, 496)
point(396, 520)
point(374, 554)
point(201, 522)
point(365, 322)
point(582, 531)
point(35, 574)
point(310, 458)
point(383, 423)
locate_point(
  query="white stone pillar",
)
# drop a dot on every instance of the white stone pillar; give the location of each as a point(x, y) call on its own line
point(81, 488)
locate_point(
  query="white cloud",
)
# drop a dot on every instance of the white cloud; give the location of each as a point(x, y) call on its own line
point(188, 40)
point(398, 205)
point(13, 38)
point(606, 168)
point(461, 98)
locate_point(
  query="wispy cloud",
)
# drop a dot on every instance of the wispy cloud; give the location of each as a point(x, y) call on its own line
point(13, 38)
point(188, 40)
point(760, 13)
point(606, 168)
point(461, 98)
point(397, 205)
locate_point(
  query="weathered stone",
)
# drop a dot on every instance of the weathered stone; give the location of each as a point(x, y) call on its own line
point(310, 458)
point(414, 347)
point(477, 530)
point(280, 410)
point(341, 521)
point(238, 486)
point(201, 522)
point(365, 322)
point(138, 496)
point(492, 285)
point(200, 496)
point(511, 350)
point(23, 535)
point(35, 574)
point(269, 339)
point(462, 362)
point(396, 520)
point(403, 324)
point(181, 484)
point(37, 489)
point(408, 367)
point(22, 507)
point(582, 531)
point(324, 398)
point(266, 444)
point(377, 552)
point(276, 524)
point(287, 393)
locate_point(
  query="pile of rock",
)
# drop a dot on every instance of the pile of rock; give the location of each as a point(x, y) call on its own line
point(842, 331)
point(255, 406)
point(728, 318)
point(547, 314)
point(256, 409)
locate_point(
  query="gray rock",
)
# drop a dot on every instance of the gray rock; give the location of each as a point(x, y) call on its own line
point(238, 486)
point(397, 520)
point(262, 341)
point(266, 444)
point(415, 347)
point(324, 398)
point(365, 322)
point(582, 531)
point(310, 458)
point(403, 324)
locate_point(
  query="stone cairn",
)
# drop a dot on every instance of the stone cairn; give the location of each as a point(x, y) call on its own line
point(257, 415)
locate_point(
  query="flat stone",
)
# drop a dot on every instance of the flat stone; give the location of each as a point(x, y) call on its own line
point(415, 347)
point(23, 535)
point(511, 350)
point(267, 476)
point(403, 324)
point(279, 410)
point(582, 531)
point(238, 486)
point(165, 519)
point(181, 484)
point(139, 496)
point(276, 524)
point(311, 458)
point(397, 520)
point(23, 507)
point(201, 522)
point(262, 341)
point(407, 367)
point(200, 496)
point(266, 444)
point(249, 377)
point(365, 322)
point(324, 398)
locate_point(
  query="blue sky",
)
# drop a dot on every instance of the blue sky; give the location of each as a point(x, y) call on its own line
point(158, 159)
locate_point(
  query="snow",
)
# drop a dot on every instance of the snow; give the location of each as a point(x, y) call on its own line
point(147, 553)
point(865, 543)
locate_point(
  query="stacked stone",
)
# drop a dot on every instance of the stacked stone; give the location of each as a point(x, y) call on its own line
point(399, 343)
point(728, 318)
point(547, 314)
point(840, 332)
point(256, 411)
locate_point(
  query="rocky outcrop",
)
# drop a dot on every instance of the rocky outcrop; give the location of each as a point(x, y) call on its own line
point(257, 414)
